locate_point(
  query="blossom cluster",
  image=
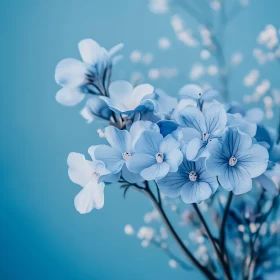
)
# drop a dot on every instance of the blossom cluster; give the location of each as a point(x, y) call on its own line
point(190, 146)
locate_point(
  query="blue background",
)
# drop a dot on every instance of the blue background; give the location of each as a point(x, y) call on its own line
point(42, 235)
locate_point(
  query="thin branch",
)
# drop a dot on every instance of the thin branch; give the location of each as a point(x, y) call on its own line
point(176, 237)
point(213, 242)
point(223, 225)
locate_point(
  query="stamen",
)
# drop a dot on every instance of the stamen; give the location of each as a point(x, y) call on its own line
point(205, 136)
point(193, 176)
point(126, 155)
point(159, 157)
point(232, 161)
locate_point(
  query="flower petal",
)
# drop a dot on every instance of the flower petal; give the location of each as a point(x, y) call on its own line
point(130, 176)
point(215, 118)
point(254, 160)
point(120, 91)
point(193, 118)
point(118, 139)
point(138, 93)
point(69, 97)
point(209, 94)
point(149, 142)
point(191, 90)
point(90, 197)
point(195, 192)
point(138, 127)
point(89, 50)
point(111, 157)
point(267, 183)
point(139, 161)
point(167, 126)
point(174, 158)
point(168, 143)
point(115, 49)
point(195, 148)
point(171, 184)
point(80, 170)
point(236, 179)
point(156, 171)
point(70, 72)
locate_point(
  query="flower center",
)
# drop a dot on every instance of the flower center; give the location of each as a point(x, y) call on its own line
point(95, 175)
point(232, 161)
point(200, 94)
point(205, 136)
point(159, 157)
point(126, 155)
point(193, 176)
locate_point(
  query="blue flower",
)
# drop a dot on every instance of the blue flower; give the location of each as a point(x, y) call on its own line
point(242, 124)
point(90, 76)
point(126, 99)
point(116, 156)
point(197, 93)
point(155, 156)
point(236, 161)
point(201, 128)
point(192, 182)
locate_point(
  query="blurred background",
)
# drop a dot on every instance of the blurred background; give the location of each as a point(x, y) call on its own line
point(42, 235)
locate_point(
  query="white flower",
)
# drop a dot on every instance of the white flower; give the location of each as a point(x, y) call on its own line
point(86, 174)
point(146, 233)
point(128, 229)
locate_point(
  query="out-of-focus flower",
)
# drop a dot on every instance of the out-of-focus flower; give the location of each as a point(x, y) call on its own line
point(126, 99)
point(236, 161)
point(88, 77)
point(128, 229)
point(87, 174)
point(164, 43)
point(155, 156)
point(159, 6)
point(192, 182)
point(201, 128)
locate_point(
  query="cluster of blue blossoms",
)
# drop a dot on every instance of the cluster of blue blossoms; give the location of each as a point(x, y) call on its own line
point(190, 147)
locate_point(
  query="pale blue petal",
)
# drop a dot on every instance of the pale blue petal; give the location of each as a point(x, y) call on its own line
point(138, 127)
point(118, 139)
point(168, 144)
point(188, 134)
point(139, 161)
point(254, 160)
point(217, 162)
point(171, 184)
point(110, 178)
point(195, 149)
point(89, 51)
point(111, 157)
point(255, 115)
point(193, 118)
point(195, 192)
point(70, 72)
point(204, 176)
point(120, 91)
point(191, 90)
point(114, 106)
point(149, 142)
point(115, 49)
point(236, 179)
point(243, 125)
point(215, 118)
point(236, 143)
point(209, 95)
point(156, 171)
point(69, 97)
point(174, 158)
point(267, 183)
point(130, 176)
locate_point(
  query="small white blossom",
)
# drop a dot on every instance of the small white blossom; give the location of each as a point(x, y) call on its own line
point(164, 43)
point(158, 6)
point(136, 56)
point(172, 263)
point(128, 229)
